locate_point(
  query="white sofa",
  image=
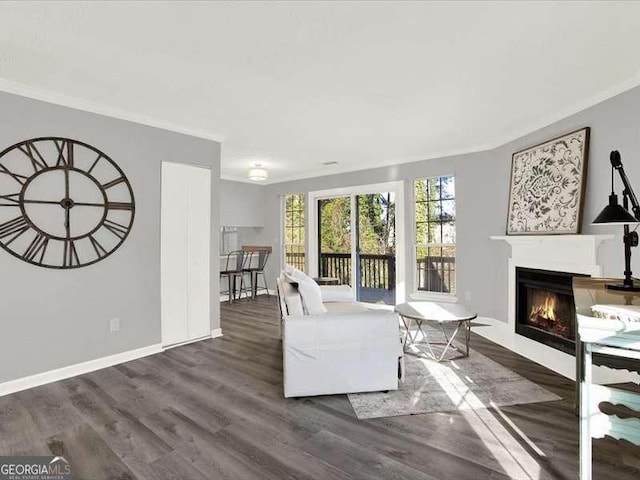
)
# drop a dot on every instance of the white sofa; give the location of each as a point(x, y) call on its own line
point(348, 349)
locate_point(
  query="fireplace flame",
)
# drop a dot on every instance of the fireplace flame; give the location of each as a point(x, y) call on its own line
point(545, 310)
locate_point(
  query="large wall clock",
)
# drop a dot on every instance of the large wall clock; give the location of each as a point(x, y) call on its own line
point(63, 204)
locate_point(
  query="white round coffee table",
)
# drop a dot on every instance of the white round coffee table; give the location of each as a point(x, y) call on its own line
point(450, 314)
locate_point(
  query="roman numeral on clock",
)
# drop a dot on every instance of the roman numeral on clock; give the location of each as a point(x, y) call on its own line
point(37, 246)
point(65, 153)
point(21, 179)
point(37, 160)
point(97, 246)
point(119, 206)
point(113, 183)
point(70, 254)
point(13, 229)
point(10, 200)
point(93, 165)
point(118, 230)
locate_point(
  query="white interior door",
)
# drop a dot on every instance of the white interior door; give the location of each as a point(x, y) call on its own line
point(185, 257)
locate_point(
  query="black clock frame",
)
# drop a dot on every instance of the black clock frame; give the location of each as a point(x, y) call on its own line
point(66, 164)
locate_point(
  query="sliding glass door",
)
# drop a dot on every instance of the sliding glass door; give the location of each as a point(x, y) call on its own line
point(357, 244)
point(334, 239)
point(376, 248)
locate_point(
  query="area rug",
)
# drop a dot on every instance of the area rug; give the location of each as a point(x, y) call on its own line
point(464, 384)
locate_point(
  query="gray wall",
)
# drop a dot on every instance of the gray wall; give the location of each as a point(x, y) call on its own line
point(252, 236)
point(241, 204)
point(54, 318)
point(473, 230)
point(482, 184)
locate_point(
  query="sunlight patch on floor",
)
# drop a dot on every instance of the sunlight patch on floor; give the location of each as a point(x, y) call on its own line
point(507, 450)
point(516, 429)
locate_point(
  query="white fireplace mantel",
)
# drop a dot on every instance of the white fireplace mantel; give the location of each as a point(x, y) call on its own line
point(572, 249)
point(562, 253)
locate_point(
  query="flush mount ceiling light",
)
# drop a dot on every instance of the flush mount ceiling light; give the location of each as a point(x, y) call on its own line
point(258, 173)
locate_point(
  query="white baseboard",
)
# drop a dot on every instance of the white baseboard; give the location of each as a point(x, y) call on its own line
point(19, 384)
point(216, 332)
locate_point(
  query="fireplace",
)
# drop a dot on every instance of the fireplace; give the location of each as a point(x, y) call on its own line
point(545, 311)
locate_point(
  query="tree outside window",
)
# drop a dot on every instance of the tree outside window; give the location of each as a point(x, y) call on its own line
point(435, 230)
point(295, 230)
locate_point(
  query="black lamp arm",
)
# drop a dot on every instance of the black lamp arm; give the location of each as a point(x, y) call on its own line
point(616, 163)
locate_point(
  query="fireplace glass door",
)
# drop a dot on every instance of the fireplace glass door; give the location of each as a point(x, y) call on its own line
point(545, 310)
point(550, 312)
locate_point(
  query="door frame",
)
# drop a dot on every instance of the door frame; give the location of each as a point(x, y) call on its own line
point(397, 187)
point(354, 225)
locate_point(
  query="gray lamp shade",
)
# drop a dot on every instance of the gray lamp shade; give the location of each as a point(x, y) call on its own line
point(614, 214)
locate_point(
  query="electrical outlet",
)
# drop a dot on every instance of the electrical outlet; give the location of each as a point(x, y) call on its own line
point(114, 324)
point(467, 296)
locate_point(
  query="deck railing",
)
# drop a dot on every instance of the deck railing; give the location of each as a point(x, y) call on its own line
point(376, 271)
point(296, 259)
point(336, 265)
point(434, 274)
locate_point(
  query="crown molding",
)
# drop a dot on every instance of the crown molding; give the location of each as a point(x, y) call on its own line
point(574, 109)
point(101, 109)
point(77, 103)
point(338, 169)
point(489, 146)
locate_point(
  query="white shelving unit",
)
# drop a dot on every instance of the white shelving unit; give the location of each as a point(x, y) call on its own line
point(613, 338)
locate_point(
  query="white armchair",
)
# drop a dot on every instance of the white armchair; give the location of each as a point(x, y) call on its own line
point(349, 349)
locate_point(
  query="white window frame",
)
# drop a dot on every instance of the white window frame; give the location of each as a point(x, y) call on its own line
point(283, 236)
point(225, 233)
point(424, 294)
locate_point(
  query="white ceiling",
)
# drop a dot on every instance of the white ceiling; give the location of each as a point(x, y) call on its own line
point(293, 85)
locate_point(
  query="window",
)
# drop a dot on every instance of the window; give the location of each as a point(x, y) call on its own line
point(435, 234)
point(294, 230)
point(228, 239)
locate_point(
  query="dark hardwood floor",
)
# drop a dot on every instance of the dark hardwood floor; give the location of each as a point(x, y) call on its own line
point(215, 410)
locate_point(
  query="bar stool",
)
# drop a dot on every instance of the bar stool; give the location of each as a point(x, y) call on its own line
point(256, 268)
point(233, 270)
point(248, 262)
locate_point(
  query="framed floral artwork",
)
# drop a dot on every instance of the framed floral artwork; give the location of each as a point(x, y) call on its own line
point(548, 183)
